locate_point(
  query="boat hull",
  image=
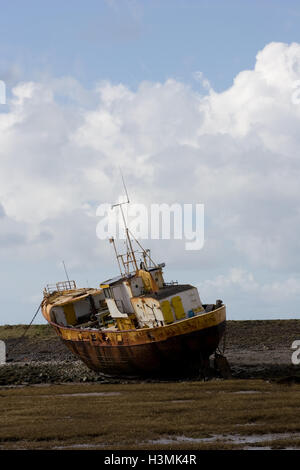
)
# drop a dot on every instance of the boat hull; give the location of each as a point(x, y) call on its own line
point(178, 349)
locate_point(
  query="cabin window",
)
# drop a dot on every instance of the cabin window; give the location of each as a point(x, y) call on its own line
point(108, 293)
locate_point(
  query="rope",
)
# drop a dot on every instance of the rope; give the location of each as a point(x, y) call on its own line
point(224, 340)
point(224, 345)
point(28, 326)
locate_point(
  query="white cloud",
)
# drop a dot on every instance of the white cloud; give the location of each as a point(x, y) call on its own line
point(236, 151)
point(244, 294)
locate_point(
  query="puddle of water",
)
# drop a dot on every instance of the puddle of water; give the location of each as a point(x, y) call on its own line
point(166, 441)
point(81, 446)
point(238, 439)
point(228, 438)
point(182, 439)
point(257, 448)
point(268, 448)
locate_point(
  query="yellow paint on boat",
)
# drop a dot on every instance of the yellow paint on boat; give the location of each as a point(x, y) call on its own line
point(70, 314)
point(146, 335)
point(167, 311)
point(198, 309)
point(149, 283)
point(178, 307)
point(124, 323)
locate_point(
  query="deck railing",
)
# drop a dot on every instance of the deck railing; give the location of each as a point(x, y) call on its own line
point(60, 287)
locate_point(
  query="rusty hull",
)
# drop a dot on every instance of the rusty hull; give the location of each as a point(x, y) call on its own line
point(177, 349)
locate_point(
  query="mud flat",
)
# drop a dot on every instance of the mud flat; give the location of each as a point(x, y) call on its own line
point(255, 350)
point(63, 405)
point(191, 415)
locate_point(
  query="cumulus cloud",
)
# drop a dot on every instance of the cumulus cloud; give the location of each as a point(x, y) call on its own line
point(236, 151)
point(247, 296)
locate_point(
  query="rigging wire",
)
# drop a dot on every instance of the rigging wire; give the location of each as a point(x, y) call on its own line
point(28, 326)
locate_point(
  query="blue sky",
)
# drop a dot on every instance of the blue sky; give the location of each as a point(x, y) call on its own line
point(151, 86)
point(130, 41)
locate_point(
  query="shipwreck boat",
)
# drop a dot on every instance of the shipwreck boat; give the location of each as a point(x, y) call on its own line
point(136, 324)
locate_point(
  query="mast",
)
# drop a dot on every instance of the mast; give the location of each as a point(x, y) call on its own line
point(112, 240)
point(131, 259)
point(130, 253)
point(66, 271)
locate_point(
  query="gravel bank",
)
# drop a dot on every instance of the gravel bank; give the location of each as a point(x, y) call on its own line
point(254, 349)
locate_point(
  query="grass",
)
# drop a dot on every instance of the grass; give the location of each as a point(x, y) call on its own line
point(34, 332)
point(54, 416)
point(245, 333)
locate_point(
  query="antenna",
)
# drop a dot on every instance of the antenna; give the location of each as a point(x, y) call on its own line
point(124, 186)
point(125, 189)
point(66, 271)
point(130, 252)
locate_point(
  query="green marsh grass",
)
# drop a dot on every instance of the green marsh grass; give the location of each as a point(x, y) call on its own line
point(48, 417)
